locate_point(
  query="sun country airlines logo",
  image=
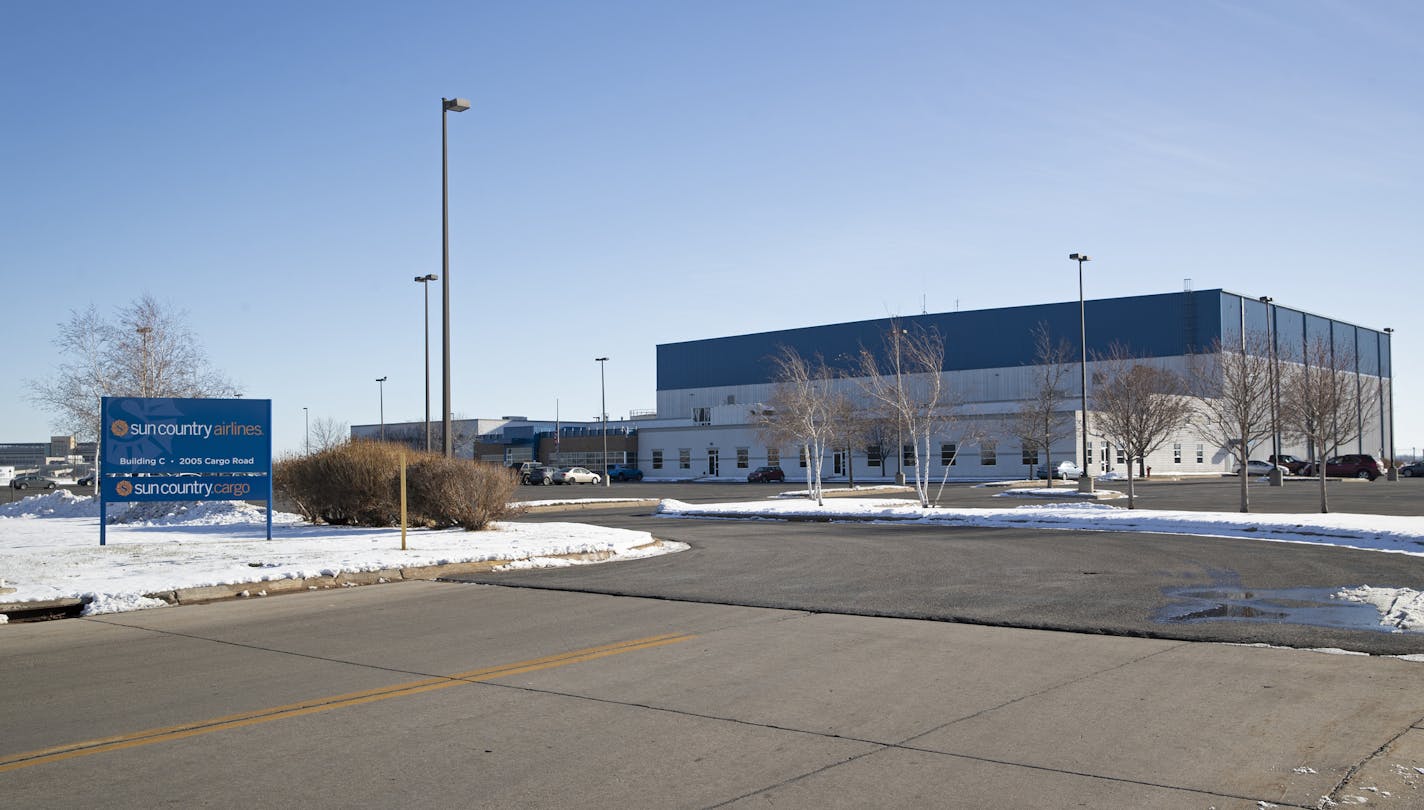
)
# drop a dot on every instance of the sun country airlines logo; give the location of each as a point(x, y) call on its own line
point(124, 489)
point(119, 428)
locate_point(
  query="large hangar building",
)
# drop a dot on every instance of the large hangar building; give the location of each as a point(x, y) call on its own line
point(710, 392)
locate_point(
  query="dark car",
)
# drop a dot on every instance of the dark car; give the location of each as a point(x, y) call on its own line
point(1415, 470)
point(86, 481)
point(625, 474)
point(1351, 466)
point(539, 475)
point(1295, 465)
point(523, 469)
point(765, 475)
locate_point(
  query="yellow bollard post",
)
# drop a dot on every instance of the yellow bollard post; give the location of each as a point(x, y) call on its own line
point(402, 456)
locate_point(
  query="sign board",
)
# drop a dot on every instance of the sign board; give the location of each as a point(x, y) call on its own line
point(166, 436)
point(169, 449)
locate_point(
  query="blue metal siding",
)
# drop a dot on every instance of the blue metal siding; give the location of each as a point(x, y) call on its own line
point(1163, 325)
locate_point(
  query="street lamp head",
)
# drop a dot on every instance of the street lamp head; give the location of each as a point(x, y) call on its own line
point(599, 359)
point(427, 277)
point(1388, 330)
point(456, 104)
point(1079, 257)
point(1265, 299)
point(380, 379)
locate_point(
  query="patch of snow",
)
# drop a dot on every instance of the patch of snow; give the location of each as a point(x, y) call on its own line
point(1400, 608)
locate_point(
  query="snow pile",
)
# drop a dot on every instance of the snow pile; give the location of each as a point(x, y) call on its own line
point(1402, 608)
point(59, 503)
point(224, 543)
point(197, 513)
point(1058, 492)
point(1401, 534)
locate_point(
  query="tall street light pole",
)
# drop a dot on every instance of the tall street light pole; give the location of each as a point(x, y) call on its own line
point(1393, 473)
point(603, 409)
point(1085, 481)
point(447, 105)
point(145, 386)
point(381, 381)
point(306, 421)
point(425, 282)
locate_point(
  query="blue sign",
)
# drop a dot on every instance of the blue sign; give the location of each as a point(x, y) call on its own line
point(167, 449)
point(125, 489)
point(165, 435)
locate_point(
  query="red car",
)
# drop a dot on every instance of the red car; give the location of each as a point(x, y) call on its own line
point(766, 475)
point(1352, 466)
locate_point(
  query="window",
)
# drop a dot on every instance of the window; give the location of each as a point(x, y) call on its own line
point(948, 454)
point(684, 458)
point(1121, 456)
point(743, 457)
point(907, 455)
point(1089, 449)
point(1177, 453)
point(1104, 457)
point(657, 459)
point(1030, 456)
point(773, 457)
point(873, 457)
point(702, 416)
point(988, 453)
point(801, 456)
point(1201, 453)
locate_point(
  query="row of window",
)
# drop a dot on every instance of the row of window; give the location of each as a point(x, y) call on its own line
point(948, 455)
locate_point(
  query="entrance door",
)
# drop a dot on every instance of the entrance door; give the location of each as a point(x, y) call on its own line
point(836, 462)
point(712, 461)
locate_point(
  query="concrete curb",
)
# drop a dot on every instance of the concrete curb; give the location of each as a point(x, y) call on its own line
point(71, 608)
point(574, 507)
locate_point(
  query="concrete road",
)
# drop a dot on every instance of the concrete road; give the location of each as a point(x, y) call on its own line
point(451, 695)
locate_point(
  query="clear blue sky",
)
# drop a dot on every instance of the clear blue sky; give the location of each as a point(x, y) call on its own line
point(642, 173)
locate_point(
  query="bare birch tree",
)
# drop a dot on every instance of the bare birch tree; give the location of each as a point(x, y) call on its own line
point(1233, 384)
point(1138, 406)
point(1323, 401)
point(802, 411)
point(907, 385)
point(1040, 419)
point(146, 351)
point(328, 432)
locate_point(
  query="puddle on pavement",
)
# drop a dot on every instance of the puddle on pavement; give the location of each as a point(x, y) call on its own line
point(1310, 606)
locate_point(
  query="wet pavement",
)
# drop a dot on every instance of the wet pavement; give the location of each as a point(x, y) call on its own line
point(1316, 607)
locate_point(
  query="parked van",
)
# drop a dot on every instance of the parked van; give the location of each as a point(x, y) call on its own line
point(7, 474)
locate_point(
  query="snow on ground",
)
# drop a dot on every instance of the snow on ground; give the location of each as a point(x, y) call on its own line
point(1402, 608)
point(1059, 492)
point(573, 501)
point(49, 548)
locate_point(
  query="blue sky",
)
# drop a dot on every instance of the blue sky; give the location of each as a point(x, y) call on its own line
point(641, 173)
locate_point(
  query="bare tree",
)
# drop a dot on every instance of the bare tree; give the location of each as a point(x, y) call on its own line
point(1324, 401)
point(1040, 419)
point(146, 351)
point(802, 411)
point(1138, 406)
point(908, 386)
point(327, 432)
point(1233, 386)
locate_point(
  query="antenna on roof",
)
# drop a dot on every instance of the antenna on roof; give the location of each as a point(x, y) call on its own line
point(924, 305)
point(1186, 285)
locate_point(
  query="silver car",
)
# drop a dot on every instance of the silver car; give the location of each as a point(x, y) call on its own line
point(577, 475)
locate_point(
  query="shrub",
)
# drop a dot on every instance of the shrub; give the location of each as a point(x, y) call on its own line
point(358, 484)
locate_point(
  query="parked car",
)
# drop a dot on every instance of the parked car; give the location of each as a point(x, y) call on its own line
point(577, 475)
point(523, 469)
point(27, 480)
point(1295, 465)
point(623, 473)
point(540, 475)
point(86, 481)
point(1067, 471)
point(766, 475)
point(1351, 466)
point(1415, 470)
point(1254, 467)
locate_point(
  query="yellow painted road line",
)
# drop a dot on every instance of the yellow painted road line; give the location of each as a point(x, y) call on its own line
point(165, 734)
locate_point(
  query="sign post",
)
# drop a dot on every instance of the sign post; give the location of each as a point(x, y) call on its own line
point(167, 449)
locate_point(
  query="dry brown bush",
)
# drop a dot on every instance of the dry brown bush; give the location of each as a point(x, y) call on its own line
point(358, 484)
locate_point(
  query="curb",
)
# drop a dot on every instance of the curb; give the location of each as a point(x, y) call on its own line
point(205, 594)
point(575, 507)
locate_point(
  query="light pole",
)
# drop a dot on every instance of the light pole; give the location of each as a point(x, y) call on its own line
point(1085, 481)
point(603, 409)
point(1392, 474)
point(381, 382)
point(425, 282)
point(144, 386)
point(306, 421)
point(446, 105)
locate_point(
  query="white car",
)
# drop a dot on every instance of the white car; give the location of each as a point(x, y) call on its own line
point(1254, 467)
point(1067, 471)
point(577, 475)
